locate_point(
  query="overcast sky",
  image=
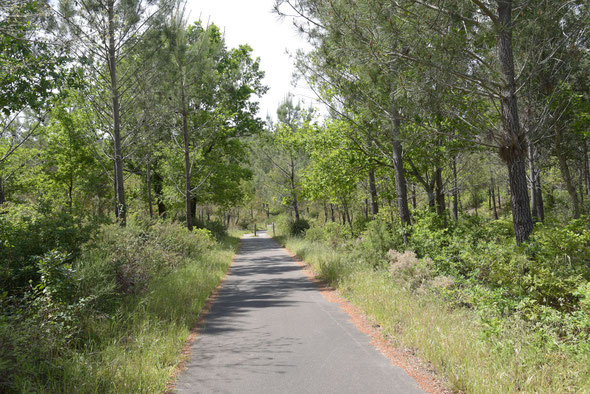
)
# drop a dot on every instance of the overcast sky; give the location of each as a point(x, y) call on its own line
point(252, 22)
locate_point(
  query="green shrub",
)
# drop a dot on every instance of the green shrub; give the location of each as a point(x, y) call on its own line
point(298, 227)
point(28, 232)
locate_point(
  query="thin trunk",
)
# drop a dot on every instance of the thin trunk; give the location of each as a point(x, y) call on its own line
point(586, 167)
point(414, 196)
point(2, 196)
point(581, 187)
point(187, 160)
point(366, 209)
point(493, 195)
point(373, 190)
point(513, 150)
point(193, 207)
point(293, 190)
point(440, 193)
point(115, 189)
point(455, 191)
point(490, 198)
point(70, 192)
point(499, 201)
point(332, 212)
point(158, 181)
point(535, 177)
point(121, 210)
point(400, 176)
point(149, 186)
point(566, 174)
point(325, 213)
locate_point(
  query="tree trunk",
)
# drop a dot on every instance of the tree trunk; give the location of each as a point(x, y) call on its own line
point(586, 167)
point(513, 150)
point(499, 201)
point(187, 160)
point(193, 207)
point(414, 196)
point(148, 177)
point(455, 191)
point(535, 177)
point(325, 213)
point(121, 210)
point(293, 190)
point(373, 190)
point(581, 187)
point(2, 195)
point(400, 176)
point(493, 195)
point(566, 174)
point(366, 209)
point(158, 182)
point(332, 212)
point(440, 193)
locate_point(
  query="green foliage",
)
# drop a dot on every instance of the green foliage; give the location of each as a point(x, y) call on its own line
point(126, 302)
point(298, 227)
point(26, 233)
point(216, 228)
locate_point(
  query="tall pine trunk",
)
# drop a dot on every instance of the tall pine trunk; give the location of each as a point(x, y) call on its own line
point(513, 150)
point(400, 176)
point(187, 160)
point(121, 209)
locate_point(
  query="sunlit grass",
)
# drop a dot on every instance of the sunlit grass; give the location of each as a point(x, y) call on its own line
point(451, 339)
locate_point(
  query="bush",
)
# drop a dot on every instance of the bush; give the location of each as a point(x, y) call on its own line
point(298, 227)
point(26, 234)
point(216, 228)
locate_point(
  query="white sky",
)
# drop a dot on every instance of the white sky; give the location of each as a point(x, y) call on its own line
point(252, 22)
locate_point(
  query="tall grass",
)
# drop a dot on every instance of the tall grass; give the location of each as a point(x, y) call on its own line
point(136, 346)
point(452, 339)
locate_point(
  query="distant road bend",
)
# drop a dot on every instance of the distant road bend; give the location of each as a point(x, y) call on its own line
point(270, 330)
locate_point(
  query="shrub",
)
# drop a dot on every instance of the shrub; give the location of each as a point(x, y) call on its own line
point(298, 227)
point(410, 271)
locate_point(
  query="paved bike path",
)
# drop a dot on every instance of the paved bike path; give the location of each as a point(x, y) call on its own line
point(271, 331)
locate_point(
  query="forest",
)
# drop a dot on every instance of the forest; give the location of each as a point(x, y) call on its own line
point(442, 186)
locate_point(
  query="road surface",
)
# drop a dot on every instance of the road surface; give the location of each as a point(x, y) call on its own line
point(270, 330)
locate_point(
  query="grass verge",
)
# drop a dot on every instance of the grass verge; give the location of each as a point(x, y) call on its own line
point(452, 339)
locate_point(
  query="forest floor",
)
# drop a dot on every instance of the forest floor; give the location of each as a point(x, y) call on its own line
point(272, 329)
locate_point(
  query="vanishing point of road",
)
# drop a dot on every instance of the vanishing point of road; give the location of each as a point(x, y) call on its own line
point(270, 330)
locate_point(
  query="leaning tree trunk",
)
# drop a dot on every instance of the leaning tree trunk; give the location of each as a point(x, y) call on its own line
point(513, 147)
point(121, 209)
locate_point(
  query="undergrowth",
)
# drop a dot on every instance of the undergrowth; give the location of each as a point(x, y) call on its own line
point(115, 317)
point(488, 315)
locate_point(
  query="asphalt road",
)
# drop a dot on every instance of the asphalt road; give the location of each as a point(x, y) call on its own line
point(271, 331)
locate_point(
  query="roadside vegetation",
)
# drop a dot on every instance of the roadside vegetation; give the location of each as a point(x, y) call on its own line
point(489, 315)
point(112, 316)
